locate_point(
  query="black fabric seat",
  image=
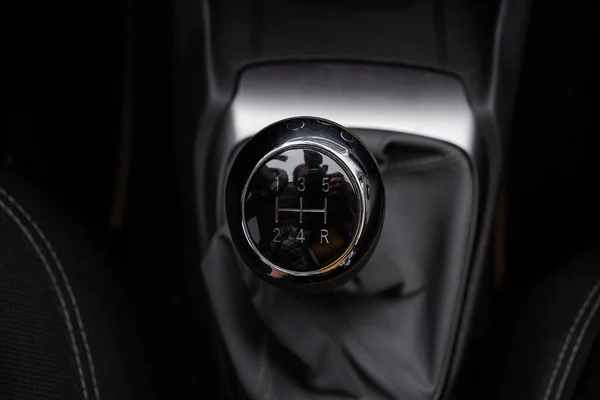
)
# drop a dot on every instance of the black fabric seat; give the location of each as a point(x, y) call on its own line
point(552, 351)
point(65, 331)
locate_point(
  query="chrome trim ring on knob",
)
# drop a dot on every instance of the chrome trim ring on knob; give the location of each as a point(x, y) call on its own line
point(325, 192)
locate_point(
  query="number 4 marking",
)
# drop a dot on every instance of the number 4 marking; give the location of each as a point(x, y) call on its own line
point(300, 237)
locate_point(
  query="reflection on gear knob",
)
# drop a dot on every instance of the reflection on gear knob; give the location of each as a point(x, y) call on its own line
point(305, 204)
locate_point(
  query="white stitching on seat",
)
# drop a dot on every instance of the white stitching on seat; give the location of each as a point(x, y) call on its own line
point(61, 299)
point(67, 286)
point(576, 347)
point(563, 350)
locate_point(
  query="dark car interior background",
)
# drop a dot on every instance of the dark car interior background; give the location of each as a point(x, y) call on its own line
point(130, 139)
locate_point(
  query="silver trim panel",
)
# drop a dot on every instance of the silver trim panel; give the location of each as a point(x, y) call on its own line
point(356, 96)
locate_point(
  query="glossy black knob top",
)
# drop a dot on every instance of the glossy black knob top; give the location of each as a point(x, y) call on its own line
point(305, 204)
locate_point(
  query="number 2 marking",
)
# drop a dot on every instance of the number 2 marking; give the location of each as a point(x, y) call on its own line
point(277, 233)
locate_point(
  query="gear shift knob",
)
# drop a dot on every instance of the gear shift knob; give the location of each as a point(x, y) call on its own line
point(305, 204)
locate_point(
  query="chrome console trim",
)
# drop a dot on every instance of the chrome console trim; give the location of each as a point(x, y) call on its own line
point(370, 97)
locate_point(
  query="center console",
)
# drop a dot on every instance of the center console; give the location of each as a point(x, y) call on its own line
point(425, 88)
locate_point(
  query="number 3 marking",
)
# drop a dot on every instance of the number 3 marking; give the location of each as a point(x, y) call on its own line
point(301, 186)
